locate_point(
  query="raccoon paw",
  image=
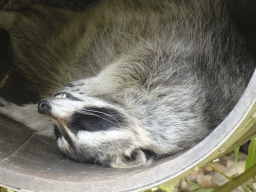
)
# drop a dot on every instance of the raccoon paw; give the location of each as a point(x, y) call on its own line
point(90, 86)
point(83, 86)
point(75, 83)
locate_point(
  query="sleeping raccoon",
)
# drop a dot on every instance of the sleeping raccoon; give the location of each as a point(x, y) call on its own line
point(125, 78)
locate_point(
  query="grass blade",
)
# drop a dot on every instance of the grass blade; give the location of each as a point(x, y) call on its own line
point(219, 172)
point(251, 158)
point(236, 153)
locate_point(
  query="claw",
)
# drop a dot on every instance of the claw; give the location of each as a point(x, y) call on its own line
point(69, 85)
point(75, 83)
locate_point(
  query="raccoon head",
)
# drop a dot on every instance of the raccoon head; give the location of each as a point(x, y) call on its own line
point(90, 130)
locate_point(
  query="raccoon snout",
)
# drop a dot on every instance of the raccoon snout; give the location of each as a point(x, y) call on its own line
point(44, 107)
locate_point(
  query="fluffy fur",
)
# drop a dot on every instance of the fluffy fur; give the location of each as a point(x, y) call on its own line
point(146, 76)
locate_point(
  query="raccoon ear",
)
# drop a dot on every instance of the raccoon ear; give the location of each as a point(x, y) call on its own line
point(137, 158)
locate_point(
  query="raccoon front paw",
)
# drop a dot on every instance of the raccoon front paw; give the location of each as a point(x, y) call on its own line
point(81, 86)
point(75, 83)
point(74, 86)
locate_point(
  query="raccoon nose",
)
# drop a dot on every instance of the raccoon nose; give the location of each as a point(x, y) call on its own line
point(43, 107)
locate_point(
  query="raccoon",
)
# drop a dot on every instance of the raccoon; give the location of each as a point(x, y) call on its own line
point(125, 80)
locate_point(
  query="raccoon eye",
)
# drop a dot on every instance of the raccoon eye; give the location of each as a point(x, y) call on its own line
point(66, 95)
point(61, 95)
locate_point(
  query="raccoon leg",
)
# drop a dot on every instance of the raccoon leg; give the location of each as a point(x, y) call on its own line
point(124, 73)
point(27, 115)
point(92, 86)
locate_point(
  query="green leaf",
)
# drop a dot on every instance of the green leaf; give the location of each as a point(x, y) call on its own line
point(244, 188)
point(168, 189)
point(205, 190)
point(193, 185)
point(251, 158)
point(236, 153)
point(9, 190)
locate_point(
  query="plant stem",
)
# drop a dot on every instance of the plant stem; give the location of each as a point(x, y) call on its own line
point(237, 181)
point(219, 172)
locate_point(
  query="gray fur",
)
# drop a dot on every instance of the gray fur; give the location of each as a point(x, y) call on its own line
point(170, 71)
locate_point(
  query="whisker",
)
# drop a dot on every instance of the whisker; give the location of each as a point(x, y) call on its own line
point(88, 113)
point(89, 110)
